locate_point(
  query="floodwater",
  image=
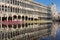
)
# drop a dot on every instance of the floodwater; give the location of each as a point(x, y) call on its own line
point(56, 38)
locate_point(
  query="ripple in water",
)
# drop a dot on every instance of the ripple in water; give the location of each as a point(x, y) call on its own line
point(56, 38)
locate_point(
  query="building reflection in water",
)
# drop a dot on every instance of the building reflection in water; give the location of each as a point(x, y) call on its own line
point(25, 20)
point(57, 36)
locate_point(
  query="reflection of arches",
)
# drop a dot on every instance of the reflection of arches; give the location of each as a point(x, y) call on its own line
point(4, 18)
point(31, 23)
point(22, 17)
point(14, 17)
point(26, 18)
point(32, 19)
point(4, 26)
point(0, 18)
point(26, 25)
point(19, 17)
point(22, 25)
point(9, 18)
point(19, 25)
point(10, 26)
point(11, 35)
point(36, 19)
point(14, 26)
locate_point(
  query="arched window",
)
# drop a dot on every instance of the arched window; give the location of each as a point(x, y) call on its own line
point(11, 9)
point(22, 17)
point(9, 18)
point(2, 7)
point(4, 18)
point(32, 19)
point(26, 18)
point(5, 8)
point(19, 17)
point(14, 17)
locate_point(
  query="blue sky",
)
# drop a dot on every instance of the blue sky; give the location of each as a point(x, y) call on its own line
point(47, 2)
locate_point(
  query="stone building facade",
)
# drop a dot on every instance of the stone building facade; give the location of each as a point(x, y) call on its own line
point(24, 20)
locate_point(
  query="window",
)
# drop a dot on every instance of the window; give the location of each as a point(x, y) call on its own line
point(22, 17)
point(13, 9)
point(14, 17)
point(32, 19)
point(9, 1)
point(13, 1)
point(16, 2)
point(26, 18)
point(23, 11)
point(9, 18)
point(5, 8)
point(9, 9)
point(20, 10)
point(19, 17)
point(22, 4)
point(4, 18)
point(2, 7)
point(16, 10)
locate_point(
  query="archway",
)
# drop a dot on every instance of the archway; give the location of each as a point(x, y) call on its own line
point(26, 18)
point(14, 17)
point(22, 17)
point(4, 18)
point(9, 18)
point(19, 17)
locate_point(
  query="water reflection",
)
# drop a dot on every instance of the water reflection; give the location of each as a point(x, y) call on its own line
point(50, 38)
point(58, 34)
